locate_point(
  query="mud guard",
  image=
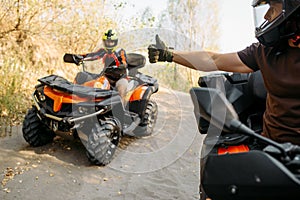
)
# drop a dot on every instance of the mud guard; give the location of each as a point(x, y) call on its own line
point(139, 99)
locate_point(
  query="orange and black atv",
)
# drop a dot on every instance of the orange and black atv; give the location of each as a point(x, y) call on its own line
point(91, 109)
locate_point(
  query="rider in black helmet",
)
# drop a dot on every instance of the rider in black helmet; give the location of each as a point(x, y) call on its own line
point(115, 61)
point(276, 21)
point(276, 55)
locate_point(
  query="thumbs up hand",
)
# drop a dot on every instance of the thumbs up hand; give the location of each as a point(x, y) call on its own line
point(159, 51)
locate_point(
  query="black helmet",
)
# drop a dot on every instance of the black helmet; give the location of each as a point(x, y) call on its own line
point(275, 20)
point(110, 39)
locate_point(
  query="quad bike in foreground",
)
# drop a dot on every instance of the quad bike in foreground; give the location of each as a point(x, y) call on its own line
point(237, 163)
point(91, 109)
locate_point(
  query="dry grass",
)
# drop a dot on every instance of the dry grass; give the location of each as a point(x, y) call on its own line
point(34, 36)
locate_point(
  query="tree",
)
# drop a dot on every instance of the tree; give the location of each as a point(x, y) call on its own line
point(196, 23)
point(34, 35)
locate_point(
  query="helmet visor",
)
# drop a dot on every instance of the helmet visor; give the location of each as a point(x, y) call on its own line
point(110, 43)
point(266, 12)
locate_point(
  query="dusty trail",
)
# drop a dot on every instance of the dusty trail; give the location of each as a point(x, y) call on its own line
point(162, 166)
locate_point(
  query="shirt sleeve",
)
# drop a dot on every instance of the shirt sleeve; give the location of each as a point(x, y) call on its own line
point(96, 55)
point(249, 56)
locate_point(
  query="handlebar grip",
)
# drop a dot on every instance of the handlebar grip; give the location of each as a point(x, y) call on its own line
point(69, 58)
point(73, 58)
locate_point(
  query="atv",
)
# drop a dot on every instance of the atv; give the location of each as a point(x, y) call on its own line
point(90, 108)
point(236, 161)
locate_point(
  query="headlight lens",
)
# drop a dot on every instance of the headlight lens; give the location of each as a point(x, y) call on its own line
point(41, 96)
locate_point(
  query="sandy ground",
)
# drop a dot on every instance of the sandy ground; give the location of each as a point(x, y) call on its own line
point(164, 165)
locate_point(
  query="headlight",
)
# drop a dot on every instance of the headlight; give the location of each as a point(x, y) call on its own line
point(41, 96)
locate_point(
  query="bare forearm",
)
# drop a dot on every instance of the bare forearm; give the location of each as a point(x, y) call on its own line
point(210, 61)
point(195, 60)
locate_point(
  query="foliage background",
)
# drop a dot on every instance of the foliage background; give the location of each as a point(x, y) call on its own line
point(35, 34)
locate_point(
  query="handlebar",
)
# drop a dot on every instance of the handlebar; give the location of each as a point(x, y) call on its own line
point(73, 58)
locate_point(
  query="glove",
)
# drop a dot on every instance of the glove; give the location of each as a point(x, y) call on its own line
point(159, 51)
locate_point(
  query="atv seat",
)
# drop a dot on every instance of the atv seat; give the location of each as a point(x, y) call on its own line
point(135, 61)
point(62, 84)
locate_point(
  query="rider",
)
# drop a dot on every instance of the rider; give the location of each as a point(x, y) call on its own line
point(276, 55)
point(115, 61)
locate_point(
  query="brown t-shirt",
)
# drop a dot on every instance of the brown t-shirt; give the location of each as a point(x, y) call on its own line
point(281, 74)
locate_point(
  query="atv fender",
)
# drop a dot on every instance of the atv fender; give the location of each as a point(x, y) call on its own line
point(139, 98)
point(138, 93)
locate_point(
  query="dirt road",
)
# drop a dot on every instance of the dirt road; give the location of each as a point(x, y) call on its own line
point(162, 166)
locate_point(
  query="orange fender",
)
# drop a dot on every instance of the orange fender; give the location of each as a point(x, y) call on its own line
point(138, 93)
point(59, 98)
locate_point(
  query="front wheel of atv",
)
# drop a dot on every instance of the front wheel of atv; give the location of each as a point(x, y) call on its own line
point(148, 121)
point(103, 142)
point(34, 131)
